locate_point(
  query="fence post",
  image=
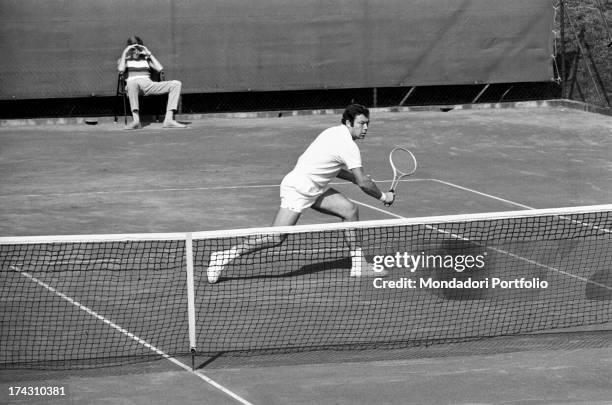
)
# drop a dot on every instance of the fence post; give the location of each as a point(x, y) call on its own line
point(562, 39)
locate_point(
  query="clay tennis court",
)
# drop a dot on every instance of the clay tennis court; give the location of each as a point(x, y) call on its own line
point(223, 173)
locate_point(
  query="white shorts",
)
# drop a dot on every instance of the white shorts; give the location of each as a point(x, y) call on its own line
point(298, 193)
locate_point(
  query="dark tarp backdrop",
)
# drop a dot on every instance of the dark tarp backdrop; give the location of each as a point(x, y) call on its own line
point(63, 49)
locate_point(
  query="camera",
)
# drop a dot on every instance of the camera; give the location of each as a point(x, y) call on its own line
point(136, 52)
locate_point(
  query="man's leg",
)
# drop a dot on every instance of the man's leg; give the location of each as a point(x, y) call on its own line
point(219, 260)
point(334, 203)
point(283, 217)
point(173, 89)
point(133, 91)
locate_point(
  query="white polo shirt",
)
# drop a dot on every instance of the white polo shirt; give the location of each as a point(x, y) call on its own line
point(333, 150)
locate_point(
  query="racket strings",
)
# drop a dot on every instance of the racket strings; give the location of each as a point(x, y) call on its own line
point(403, 164)
point(403, 161)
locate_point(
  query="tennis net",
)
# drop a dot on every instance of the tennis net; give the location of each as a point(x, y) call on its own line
point(82, 301)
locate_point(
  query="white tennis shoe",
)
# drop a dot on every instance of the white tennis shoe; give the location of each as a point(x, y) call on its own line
point(361, 268)
point(216, 264)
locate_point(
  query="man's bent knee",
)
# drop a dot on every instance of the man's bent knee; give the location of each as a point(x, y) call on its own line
point(352, 213)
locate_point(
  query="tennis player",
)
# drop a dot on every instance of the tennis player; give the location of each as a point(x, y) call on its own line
point(334, 153)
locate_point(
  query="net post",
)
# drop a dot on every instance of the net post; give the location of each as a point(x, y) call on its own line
point(190, 296)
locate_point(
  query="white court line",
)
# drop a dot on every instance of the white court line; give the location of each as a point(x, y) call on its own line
point(483, 194)
point(132, 336)
point(239, 187)
point(147, 190)
point(179, 189)
point(471, 190)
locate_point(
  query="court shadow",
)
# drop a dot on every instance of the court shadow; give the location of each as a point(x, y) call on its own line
point(599, 286)
point(308, 269)
point(344, 263)
point(461, 263)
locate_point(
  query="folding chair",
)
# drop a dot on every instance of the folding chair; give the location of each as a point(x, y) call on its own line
point(122, 92)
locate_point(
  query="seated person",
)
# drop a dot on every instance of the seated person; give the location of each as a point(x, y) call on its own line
point(138, 61)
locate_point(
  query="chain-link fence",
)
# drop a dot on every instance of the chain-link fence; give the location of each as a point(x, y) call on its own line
point(583, 50)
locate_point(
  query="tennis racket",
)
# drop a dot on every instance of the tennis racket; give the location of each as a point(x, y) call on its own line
point(403, 164)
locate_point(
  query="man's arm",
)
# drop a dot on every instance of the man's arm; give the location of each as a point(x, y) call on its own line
point(153, 62)
point(358, 176)
point(346, 175)
point(121, 61)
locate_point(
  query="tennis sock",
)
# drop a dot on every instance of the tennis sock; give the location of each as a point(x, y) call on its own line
point(223, 257)
point(357, 262)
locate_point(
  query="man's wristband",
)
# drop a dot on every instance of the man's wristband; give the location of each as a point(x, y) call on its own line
point(383, 197)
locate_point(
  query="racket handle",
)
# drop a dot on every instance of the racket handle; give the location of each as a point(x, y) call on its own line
point(392, 190)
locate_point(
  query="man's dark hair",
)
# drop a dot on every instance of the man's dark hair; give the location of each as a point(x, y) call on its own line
point(134, 41)
point(353, 111)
